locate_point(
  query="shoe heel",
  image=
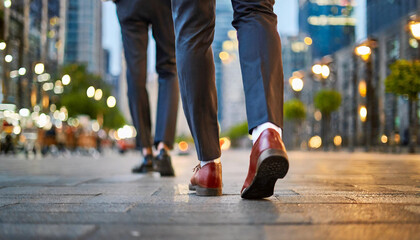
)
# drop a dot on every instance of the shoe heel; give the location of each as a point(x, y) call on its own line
point(200, 191)
point(273, 163)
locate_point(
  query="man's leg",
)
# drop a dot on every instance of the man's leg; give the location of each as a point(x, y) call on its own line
point(194, 31)
point(135, 38)
point(262, 72)
point(168, 97)
point(261, 64)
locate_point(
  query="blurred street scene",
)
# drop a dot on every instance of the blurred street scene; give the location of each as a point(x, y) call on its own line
point(351, 110)
point(351, 77)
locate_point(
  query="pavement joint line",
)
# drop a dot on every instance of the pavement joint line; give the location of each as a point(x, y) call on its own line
point(87, 181)
point(155, 193)
point(8, 205)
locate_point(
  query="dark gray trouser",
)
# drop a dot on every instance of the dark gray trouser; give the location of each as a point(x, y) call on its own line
point(261, 65)
point(135, 17)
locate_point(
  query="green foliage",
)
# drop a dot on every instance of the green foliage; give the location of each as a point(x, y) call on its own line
point(327, 101)
point(77, 102)
point(186, 138)
point(294, 109)
point(237, 131)
point(404, 78)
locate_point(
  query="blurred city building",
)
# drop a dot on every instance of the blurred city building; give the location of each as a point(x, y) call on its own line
point(84, 35)
point(389, 40)
point(224, 17)
point(330, 24)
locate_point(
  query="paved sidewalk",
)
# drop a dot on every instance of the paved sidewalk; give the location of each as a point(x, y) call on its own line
point(324, 196)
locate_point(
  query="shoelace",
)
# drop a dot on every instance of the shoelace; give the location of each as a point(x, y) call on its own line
point(196, 168)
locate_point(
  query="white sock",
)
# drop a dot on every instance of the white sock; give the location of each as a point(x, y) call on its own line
point(260, 128)
point(203, 163)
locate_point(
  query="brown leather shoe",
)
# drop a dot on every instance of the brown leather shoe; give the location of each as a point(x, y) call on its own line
point(207, 180)
point(268, 162)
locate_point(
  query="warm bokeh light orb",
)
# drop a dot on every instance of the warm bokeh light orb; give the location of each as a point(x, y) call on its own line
point(315, 142)
point(111, 101)
point(363, 113)
point(22, 71)
point(317, 69)
point(325, 71)
point(39, 68)
point(362, 88)
point(183, 146)
point(2, 46)
point(8, 58)
point(308, 41)
point(338, 140)
point(98, 94)
point(66, 79)
point(297, 84)
point(384, 139)
point(415, 29)
point(90, 92)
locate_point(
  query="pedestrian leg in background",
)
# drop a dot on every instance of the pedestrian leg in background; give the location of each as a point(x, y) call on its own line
point(168, 97)
point(134, 29)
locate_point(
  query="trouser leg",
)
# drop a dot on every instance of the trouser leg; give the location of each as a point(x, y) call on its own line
point(168, 96)
point(260, 59)
point(135, 38)
point(194, 31)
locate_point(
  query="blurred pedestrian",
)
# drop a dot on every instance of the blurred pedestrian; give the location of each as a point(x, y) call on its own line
point(262, 73)
point(135, 17)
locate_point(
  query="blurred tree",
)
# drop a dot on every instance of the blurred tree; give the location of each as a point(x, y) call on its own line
point(75, 99)
point(295, 112)
point(404, 79)
point(327, 101)
point(236, 132)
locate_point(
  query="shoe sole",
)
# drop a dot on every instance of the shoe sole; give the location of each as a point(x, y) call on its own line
point(200, 191)
point(272, 165)
point(191, 187)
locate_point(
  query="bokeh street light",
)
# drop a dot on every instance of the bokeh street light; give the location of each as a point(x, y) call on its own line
point(98, 94)
point(111, 101)
point(363, 113)
point(2, 46)
point(322, 71)
point(297, 84)
point(66, 79)
point(22, 71)
point(414, 27)
point(8, 58)
point(338, 140)
point(363, 51)
point(90, 92)
point(325, 72)
point(317, 69)
point(7, 3)
point(39, 68)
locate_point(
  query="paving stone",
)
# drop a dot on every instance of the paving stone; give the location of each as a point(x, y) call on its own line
point(324, 196)
point(169, 232)
point(45, 231)
point(344, 231)
point(66, 207)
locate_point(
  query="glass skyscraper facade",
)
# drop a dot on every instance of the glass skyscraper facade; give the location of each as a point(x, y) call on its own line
point(330, 24)
point(84, 34)
point(381, 14)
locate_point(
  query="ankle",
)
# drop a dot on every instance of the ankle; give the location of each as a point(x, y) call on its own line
point(147, 151)
point(163, 146)
point(203, 163)
point(256, 132)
